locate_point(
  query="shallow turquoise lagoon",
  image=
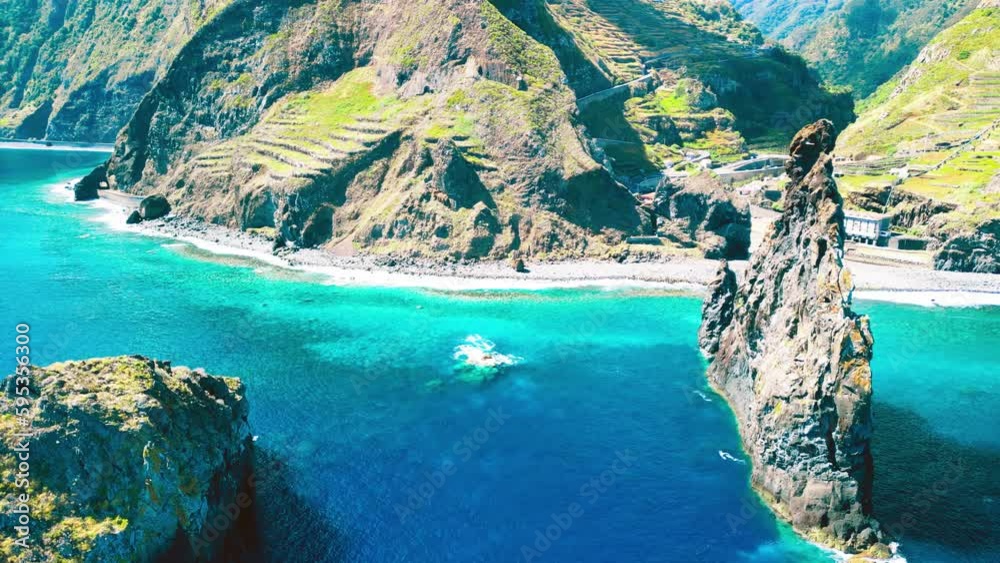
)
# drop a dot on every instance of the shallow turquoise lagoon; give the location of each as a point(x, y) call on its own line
point(361, 409)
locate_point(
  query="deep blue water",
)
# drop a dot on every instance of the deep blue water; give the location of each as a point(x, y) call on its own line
point(355, 393)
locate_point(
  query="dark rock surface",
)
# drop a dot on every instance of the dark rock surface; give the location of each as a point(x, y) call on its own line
point(137, 455)
point(86, 189)
point(134, 218)
point(702, 212)
point(154, 207)
point(976, 251)
point(793, 360)
point(717, 312)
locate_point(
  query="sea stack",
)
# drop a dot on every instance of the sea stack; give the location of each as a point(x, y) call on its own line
point(793, 360)
point(130, 460)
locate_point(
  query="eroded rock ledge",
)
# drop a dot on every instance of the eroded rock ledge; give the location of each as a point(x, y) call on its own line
point(792, 359)
point(129, 460)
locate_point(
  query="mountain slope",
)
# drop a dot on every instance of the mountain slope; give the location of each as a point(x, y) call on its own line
point(938, 118)
point(450, 128)
point(77, 70)
point(857, 43)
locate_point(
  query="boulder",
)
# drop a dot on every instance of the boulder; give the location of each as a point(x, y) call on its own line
point(154, 207)
point(134, 218)
point(793, 360)
point(134, 459)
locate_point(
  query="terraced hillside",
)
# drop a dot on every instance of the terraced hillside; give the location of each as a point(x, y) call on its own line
point(77, 70)
point(769, 92)
point(939, 121)
point(456, 128)
point(856, 43)
point(690, 75)
point(452, 139)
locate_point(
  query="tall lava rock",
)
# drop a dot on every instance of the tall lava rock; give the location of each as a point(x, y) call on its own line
point(793, 360)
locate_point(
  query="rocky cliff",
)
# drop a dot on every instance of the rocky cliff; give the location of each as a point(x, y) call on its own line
point(793, 360)
point(75, 71)
point(128, 460)
point(448, 129)
point(700, 211)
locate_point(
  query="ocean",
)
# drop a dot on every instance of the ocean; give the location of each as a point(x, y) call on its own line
point(599, 441)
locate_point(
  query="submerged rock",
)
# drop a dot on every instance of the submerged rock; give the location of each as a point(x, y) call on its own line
point(128, 461)
point(793, 360)
point(154, 207)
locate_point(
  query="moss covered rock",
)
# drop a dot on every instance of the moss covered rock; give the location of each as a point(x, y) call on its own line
point(127, 460)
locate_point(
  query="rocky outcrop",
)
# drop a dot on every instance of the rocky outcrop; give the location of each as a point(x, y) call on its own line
point(906, 210)
point(717, 312)
point(86, 189)
point(793, 360)
point(976, 251)
point(702, 212)
point(128, 462)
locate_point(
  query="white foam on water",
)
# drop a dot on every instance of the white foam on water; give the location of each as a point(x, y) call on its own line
point(63, 193)
point(703, 396)
point(481, 353)
point(730, 457)
point(932, 298)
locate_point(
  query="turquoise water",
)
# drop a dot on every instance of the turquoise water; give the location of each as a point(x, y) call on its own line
point(379, 450)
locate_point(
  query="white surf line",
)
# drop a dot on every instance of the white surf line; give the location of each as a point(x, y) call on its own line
point(114, 218)
point(931, 298)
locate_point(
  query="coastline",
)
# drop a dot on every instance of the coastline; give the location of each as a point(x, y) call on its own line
point(15, 144)
point(907, 285)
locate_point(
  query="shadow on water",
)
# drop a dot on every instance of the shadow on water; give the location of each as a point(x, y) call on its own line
point(931, 487)
point(278, 526)
point(282, 526)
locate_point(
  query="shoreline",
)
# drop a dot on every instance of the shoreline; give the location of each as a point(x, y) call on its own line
point(20, 144)
point(906, 285)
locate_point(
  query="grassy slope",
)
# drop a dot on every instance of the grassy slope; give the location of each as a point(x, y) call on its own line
point(761, 96)
point(949, 95)
point(857, 43)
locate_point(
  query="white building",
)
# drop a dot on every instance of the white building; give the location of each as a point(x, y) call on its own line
point(868, 228)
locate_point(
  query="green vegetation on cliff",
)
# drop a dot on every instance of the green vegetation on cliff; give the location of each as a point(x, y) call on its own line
point(857, 43)
point(77, 70)
point(456, 130)
point(939, 117)
point(126, 456)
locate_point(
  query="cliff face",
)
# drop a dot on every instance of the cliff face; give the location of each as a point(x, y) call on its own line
point(447, 129)
point(792, 359)
point(77, 70)
point(429, 128)
point(128, 460)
